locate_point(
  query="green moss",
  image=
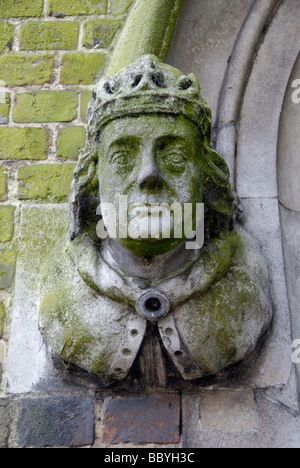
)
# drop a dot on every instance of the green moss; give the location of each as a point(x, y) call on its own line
point(46, 106)
point(7, 268)
point(77, 7)
point(4, 107)
point(118, 7)
point(70, 141)
point(81, 68)
point(86, 96)
point(100, 33)
point(20, 8)
point(47, 181)
point(2, 317)
point(7, 32)
point(3, 183)
point(6, 223)
point(19, 69)
point(48, 35)
point(23, 143)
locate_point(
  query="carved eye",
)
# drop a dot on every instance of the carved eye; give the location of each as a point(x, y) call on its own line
point(175, 158)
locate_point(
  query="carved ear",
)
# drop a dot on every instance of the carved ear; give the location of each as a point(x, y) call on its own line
point(84, 197)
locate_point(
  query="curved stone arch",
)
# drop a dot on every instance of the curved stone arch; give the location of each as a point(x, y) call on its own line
point(251, 151)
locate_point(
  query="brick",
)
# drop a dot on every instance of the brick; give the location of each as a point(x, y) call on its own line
point(7, 32)
point(59, 421)
point(6, 223)
point(48, 35)
point(100, 33)
point(2, 317)
point(5, 422)
point(19, 70)
point(3, 183)
point(23, 143)
point(45, 181)
point(21, 8)
point(149, 418)
point(70, 141)
point(61, 8)
point(118, 7)
point(7, 268)
point(46, 106)
point(4, 107)
point(81, 68)
point(86, 97)
point(228, 411)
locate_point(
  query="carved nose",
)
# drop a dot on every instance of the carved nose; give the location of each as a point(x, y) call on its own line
point(149, 177)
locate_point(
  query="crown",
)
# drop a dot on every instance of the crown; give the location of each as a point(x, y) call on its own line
point(147, 86)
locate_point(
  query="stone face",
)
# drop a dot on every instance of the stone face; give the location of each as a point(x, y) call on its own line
point(100, 33)
point(81, 68)
point(47, 181)
point(4, 107)
point(46, 106)
point(152, 418)
point(70, 141)
point(77, 7)
point(6, 223)
point(7, 32)
point(11, 8)
point(48, 35)
point(19, 70)
point(23, 143)
point(7, 268)
point(64, 421)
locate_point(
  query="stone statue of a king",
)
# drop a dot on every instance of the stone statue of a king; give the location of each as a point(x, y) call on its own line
point(106, 284)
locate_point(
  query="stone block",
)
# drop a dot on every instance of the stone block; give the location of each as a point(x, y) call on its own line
point(119, 7)
point(60, 421)
point(86, 96)
point(81, 68)
point(7, 268)
point(149, 418)
point(23, 143)
point(6, 223)
point(46, 181)
point(3, 183)
point(60, 8)
point(46, 106)
point(21, 8)
point(7, 32)
point(70, 141)
point(2, 317)
point(20, 69)
point(5, 422)
point(49, 35)
point(4, 107)
point(100, 33)
point(228, 411)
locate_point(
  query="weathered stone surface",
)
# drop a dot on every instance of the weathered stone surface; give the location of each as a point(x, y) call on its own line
point(81, 68)
point(228, 411)
point(100, 33)
point(4, 107)
point(47, 181)
point(7, 268)
point(3, 183)
point(77, 7)
point(23, 143)
point(118, 7)
point(86, 96)
point(18, 69)
point(61, 421)
point(152, 418)
point(5, 422)
point(46, 106)
point(11, 8)
point(2, 317)
point(6, 223)
point(49, 35)
point(7, 32)
point(70, 141)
